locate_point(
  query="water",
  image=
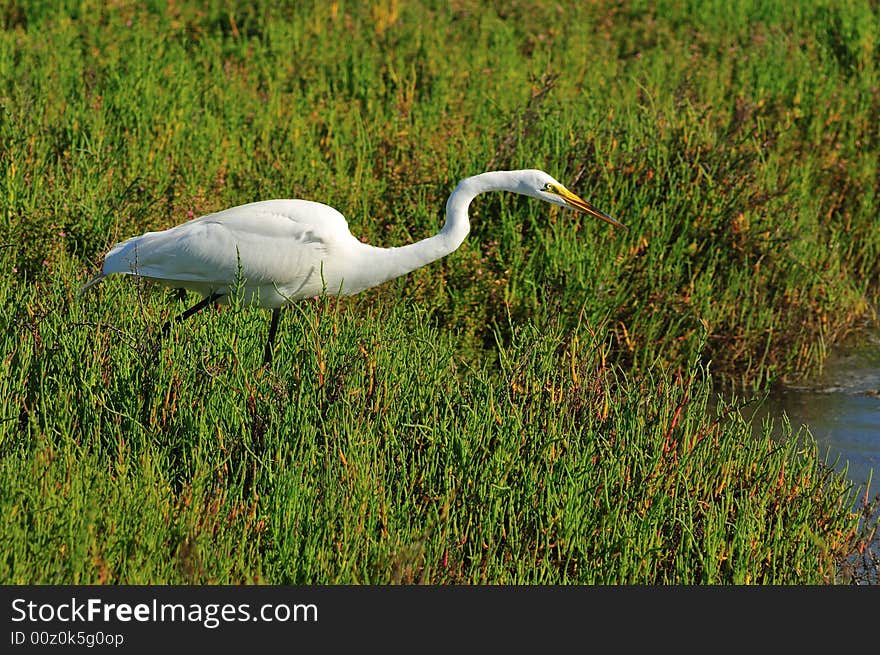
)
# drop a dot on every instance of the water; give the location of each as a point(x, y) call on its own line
point(841, 408)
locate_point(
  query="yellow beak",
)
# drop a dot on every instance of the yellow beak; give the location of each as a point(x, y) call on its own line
point(575, 201)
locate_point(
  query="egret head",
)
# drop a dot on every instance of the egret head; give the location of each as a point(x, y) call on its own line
point(539, 184)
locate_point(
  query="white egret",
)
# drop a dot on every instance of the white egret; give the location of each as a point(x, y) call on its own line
point(275, 252)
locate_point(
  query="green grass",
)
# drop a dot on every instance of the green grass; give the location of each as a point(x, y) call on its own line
point(536, 408)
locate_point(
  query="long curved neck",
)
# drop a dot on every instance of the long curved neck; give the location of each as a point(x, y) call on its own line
point(389, 263)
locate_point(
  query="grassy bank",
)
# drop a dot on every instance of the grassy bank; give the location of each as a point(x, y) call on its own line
point(372, 454)
point(532, 408)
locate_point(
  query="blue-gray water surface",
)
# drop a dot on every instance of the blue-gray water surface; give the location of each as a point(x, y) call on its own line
point(841, 408)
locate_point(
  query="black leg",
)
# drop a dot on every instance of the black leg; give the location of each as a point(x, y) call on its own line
point(273, 328)
point(189, 312)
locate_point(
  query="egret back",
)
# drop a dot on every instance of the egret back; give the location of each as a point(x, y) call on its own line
point(276, 248)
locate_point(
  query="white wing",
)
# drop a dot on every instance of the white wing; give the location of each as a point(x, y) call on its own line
point(279, 245)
